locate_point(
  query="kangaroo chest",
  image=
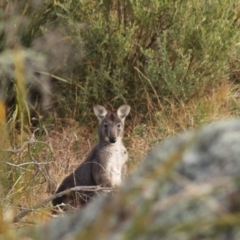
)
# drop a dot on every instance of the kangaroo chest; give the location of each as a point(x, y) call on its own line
point(114, 159)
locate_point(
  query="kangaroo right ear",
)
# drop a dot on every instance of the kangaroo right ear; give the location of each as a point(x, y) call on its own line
point(100, 112)
point(123, 111)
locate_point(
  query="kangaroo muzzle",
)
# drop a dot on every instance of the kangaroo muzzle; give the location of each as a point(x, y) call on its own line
point(112, 139)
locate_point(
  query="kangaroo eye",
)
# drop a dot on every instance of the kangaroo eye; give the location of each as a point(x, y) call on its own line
point(119, 125)
point(105, 125)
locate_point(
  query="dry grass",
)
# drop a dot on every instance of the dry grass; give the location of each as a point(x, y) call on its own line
point(71, 144)
point(67, 145)
point(221, 102)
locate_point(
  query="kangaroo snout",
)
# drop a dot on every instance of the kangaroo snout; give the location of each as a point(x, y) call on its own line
point(112, 139)
point(112, 133)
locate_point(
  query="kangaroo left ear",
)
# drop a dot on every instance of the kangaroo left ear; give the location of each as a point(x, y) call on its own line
point(123, 111)
point(100, 112)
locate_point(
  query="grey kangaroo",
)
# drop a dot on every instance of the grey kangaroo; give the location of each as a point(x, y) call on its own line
point(105, 164)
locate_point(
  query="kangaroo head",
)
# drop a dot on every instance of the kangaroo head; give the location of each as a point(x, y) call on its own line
point(111, 124)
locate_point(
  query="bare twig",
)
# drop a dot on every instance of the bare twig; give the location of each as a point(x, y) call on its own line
point(74, 189)
point(39, 166)
point(26, 163)
point(24, 145)
point(42, 169)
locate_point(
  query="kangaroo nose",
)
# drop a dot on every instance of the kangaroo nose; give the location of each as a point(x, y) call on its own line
point(112, 139)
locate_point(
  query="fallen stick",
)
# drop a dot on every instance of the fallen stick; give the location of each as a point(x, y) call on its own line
point(74, 189)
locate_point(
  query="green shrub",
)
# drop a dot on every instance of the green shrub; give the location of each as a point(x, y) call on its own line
point(141, 52)
point(146, 52)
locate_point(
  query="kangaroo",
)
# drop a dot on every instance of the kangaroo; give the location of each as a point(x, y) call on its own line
point(105, 164)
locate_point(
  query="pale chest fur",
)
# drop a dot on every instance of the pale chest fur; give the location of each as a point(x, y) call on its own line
point(115, 157)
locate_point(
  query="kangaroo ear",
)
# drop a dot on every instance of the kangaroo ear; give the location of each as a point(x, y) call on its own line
point(123, 111)
point(100, 112)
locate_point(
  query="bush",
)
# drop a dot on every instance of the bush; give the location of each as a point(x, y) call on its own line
point(140, 52)
point(146, 52)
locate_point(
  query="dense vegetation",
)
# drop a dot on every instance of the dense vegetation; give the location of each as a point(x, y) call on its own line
point(175, 62)
point(149, 54)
